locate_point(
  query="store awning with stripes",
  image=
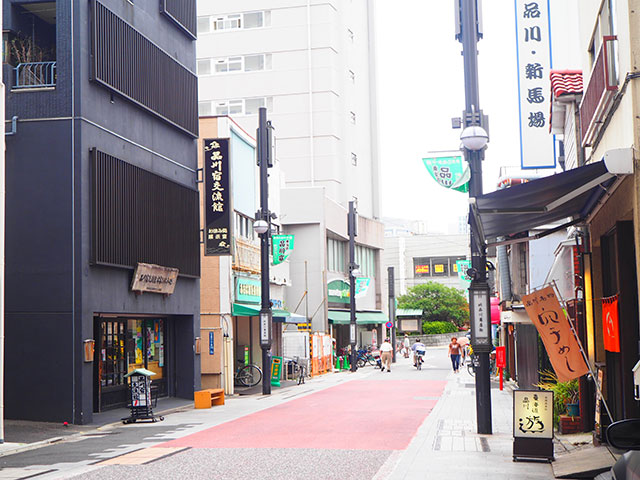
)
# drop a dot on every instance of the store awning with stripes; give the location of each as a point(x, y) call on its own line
point(342, 317)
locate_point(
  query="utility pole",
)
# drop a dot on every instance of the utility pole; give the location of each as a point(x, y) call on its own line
point(392, 308)
point(473, 120)
point(263, 227)
point(352, 230)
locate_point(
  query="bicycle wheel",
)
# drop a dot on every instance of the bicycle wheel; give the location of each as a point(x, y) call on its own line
point(471, 368)
point(361, 362)
point(371, 360)
point(419, 364)
point(249, 375)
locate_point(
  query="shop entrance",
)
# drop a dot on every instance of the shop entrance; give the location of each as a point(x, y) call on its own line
point(122, 345)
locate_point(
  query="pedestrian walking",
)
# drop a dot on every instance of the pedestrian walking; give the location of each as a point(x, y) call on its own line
point(386, 353)
point(455, 350)
point(407, 345)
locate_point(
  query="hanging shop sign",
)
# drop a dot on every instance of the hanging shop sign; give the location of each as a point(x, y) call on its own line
point(532, 424)
point(282, 247)
point(534, 66)
point(610, 328)
point(338, 290)
point(461, 267)
point(450, 171)
point(248, 290)
point(154, 279)
point(554, 328)
point(217, 197)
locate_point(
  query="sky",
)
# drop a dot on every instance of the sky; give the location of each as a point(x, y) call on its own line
point(421, 87)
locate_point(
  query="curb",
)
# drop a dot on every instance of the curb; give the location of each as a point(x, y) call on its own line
point(44, 443)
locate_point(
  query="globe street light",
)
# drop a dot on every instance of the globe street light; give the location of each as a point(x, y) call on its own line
point(260, 227)
point(474, 138)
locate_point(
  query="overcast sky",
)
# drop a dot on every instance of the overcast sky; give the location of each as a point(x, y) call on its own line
point(421, 87)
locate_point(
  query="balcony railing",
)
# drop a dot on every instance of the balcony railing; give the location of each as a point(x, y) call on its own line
point(600, 91)
point(35, 75)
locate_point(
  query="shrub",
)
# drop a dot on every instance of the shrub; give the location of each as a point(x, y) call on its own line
point(563, 392)
point(432, 328)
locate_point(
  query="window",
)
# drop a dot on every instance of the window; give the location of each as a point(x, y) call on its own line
point(366, 258)
point(243, 226)
point(239, 106)
point(336, 255)
point(234, 21)
point(246, 63)
point(204, 109)
point(254, 20)
point(204, 67)
point(230, 64)
point(354, 159)
point(204, 25)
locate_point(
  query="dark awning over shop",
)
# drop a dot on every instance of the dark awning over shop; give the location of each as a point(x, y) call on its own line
point(566, 197)
point(343, 317)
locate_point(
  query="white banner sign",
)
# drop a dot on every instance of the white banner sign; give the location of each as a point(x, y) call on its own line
point(533, 414)
point(534, 84)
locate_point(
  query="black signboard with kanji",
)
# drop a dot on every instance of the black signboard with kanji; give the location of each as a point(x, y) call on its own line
point(217, 197)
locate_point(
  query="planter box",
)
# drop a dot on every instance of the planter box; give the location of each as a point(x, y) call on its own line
point(570, 424)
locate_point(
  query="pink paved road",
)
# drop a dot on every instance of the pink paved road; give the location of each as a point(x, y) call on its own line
point(361, 414)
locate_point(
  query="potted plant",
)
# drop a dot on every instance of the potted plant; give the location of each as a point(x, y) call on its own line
point(566, 395)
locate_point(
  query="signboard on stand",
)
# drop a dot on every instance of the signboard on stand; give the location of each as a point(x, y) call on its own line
point(532, 424)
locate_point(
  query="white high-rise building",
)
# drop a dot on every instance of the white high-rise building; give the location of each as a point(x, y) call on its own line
point(312, 64)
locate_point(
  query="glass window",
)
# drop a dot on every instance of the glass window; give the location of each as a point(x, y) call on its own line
point(204, 67)
point(235, 64)
point(253, 104)
point(204, 24)
point(204, 109)
point(253, 63)
point(222, 108)
point(222, 66)
point(253, 20)
point(235, 107)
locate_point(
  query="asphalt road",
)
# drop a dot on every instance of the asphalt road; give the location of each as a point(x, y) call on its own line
point(338, 426)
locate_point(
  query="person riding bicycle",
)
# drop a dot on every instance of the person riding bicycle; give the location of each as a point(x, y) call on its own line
point(419, 350)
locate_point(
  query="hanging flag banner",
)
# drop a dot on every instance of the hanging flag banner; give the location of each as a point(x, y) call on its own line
point(282, 247)
point(462, 266)
point(450, 171)
point(610, 328)
point(362, 285)
point(534, 85)
point(552, 324)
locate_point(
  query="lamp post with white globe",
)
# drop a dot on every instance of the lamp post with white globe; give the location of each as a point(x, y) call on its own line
point(474, 139)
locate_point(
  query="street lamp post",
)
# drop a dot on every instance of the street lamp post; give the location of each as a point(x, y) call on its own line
point(474, 138)
point(352, 231)
point(262, 227)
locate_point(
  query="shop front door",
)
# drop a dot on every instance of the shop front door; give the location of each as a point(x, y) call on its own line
point(122, 345)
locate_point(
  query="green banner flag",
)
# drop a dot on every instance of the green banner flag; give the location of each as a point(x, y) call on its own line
point(282, 247)
point(462, 266)
point(449, 171)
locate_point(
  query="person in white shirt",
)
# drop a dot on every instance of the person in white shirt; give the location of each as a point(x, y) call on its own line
point(418, 345)
point(386, 353)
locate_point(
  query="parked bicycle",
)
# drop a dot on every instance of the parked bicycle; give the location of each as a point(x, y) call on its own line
point(365, 357)
point(298, 369)
point(474, 363)
point(248, 376)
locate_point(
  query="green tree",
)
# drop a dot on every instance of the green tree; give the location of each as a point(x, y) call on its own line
point(437, 302)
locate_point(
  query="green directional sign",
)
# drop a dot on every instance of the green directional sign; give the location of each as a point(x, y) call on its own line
point(450, 171)
point(282, 247)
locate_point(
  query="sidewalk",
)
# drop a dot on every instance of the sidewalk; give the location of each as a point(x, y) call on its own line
point(24, 435)
point(447, 443)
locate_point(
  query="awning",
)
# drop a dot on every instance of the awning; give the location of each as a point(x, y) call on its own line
point(247, 310)
point(292, 318)
point(408, 312)
point(566, 197)
point(343, 317)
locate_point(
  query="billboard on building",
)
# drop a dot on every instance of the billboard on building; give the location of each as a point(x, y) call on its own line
point(217, 197)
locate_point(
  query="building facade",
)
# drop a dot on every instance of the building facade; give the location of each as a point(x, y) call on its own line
point(102, 211)
point(311, 64)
